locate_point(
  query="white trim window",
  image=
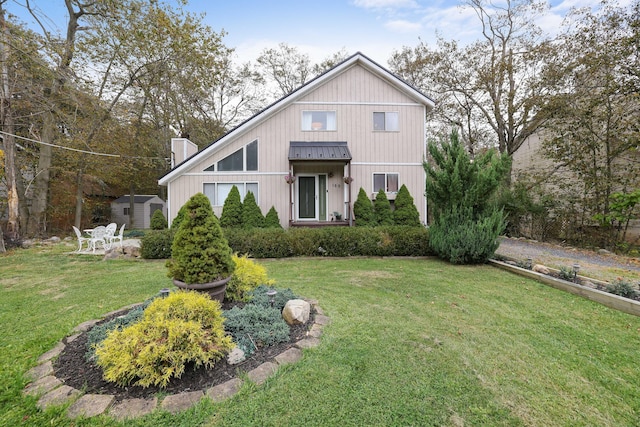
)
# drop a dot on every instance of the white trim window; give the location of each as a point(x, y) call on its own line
point(244, 159)
point(319, 120)
point(388, 182)
point(217, 192)
point(386, 121)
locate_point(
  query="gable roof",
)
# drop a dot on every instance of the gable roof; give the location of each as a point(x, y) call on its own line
point(356, 59)
point(136, 199)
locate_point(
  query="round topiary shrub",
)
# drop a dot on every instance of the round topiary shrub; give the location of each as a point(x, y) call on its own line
point(185, 327)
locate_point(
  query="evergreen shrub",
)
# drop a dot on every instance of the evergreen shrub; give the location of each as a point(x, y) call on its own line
point(200, 253)
point(156, 244)
point(622, 288)
point(232, 210)
point(256, 326)
point(405, 212)
point(331, 241)
point(247, 276)
point(185, 327)
point(98, 333)
point(363, 210)
point(271, 220)
point(251, 214)
point(457, 237)
point(258, 296)
point(382, 209)
point(158, 221)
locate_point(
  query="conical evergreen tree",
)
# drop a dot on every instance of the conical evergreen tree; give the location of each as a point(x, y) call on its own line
point(232, 210)
point(251, 214)
point(466, 222)
point(271, 220)
point(363, 210)
point(406, 212)
point(382, 209)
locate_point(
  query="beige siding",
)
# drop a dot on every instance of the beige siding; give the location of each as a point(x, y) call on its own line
point(355, 95)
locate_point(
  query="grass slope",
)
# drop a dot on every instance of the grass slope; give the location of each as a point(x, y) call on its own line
point(412, 342)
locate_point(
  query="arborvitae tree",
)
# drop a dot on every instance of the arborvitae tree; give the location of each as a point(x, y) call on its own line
point(363, 210)
point(232, 210)
point(251, 214)
point(406, 212)
point(158, 221)
point(182, 212)
point(272, 220)
point(382, 209)
point(466, 221)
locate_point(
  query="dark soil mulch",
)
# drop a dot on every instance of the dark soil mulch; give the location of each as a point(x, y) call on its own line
point(72, 368)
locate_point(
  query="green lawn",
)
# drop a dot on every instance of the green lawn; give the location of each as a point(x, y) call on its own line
point(412, 342)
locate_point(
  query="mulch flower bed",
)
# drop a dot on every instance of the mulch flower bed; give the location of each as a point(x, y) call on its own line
point(72, 368)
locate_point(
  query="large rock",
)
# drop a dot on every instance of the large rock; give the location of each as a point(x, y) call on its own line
point(296, 311)
point(539, 268)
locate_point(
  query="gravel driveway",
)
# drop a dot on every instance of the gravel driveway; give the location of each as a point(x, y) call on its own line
point(603, 266)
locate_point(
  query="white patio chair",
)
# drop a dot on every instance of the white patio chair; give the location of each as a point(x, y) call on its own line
point(109, 233)
point(98, 236)
point(113, 238)
point(81, 238)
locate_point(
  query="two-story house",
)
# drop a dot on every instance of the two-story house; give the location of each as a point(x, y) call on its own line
point(308, 154)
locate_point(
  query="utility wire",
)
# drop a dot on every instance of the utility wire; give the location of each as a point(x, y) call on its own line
point(94, 153)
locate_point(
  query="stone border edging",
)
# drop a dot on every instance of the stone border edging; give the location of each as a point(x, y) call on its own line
point(616, 302)
point(53, 392)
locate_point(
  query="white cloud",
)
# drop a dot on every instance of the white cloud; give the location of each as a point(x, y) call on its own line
point(402, 26)
point(385, 4)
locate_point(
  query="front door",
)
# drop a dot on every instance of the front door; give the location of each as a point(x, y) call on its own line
point(312, 197)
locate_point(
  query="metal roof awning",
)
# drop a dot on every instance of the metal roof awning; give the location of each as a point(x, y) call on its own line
point(319, 151)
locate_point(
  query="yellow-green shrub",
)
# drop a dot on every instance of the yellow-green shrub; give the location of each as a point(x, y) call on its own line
point(183, 327)
point(246, 277)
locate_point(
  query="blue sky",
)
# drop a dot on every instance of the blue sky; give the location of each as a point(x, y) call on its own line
point(319, 29)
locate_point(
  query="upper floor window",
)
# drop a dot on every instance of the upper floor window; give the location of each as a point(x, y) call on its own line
point(245, 159)
point(318, 120)
point(387, 182)
point(385, 121)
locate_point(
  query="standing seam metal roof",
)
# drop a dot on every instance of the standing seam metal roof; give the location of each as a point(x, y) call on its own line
point(327, 151)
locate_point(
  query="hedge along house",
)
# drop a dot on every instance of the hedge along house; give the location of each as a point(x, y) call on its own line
point(308, 154)
point(143, 209)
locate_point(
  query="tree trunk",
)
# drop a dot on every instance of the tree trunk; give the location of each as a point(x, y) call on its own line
point(8, 140)
point(79, 197)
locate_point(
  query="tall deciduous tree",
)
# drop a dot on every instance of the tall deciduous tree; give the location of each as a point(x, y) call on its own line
point(490, 89)
point(594, 130)
point(288, 69)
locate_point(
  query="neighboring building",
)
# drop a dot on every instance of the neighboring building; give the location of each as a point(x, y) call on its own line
point(144, 207)
point(356, 125)
point(529, 163)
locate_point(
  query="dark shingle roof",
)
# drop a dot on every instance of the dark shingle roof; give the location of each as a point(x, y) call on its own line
point(136, 199)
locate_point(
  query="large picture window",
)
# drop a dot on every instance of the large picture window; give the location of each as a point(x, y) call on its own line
point(217, 192)
point(319, 120)
point(387, 182)
point(387, 121)
point(244, 159)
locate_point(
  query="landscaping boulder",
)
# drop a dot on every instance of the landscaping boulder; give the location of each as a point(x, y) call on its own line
point(296, 311)
point(539, 268)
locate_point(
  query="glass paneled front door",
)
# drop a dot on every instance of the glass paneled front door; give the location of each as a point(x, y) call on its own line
point(312, 197)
